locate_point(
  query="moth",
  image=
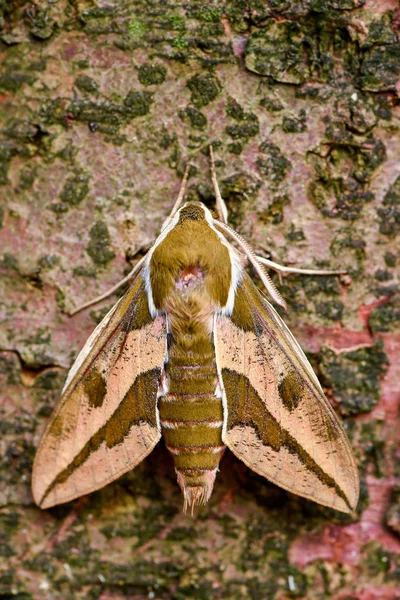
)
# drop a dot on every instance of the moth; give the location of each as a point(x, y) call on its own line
point(195, 353)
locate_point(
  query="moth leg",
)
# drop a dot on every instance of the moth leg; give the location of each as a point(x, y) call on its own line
point(179, 199)
point(282, 269)
point(111, 290)
point(219, 202)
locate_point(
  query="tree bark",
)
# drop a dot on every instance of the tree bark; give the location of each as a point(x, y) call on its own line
point(102, 105)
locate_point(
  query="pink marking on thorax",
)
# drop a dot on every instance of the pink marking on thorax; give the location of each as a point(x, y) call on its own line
point(189, 277)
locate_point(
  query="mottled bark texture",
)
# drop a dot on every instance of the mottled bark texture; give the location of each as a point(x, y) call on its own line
point(102, 104)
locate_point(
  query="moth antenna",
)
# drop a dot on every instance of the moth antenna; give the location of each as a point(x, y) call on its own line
point(283, 269)
point(179, 199)
point(247, 249)
point(219, 201)
point(111, 290)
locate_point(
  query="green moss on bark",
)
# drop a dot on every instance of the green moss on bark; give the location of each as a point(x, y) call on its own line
point(150, 74)
point(246, 125)
point(196, 118)
point(355, 376)
point(272, 164)
point(86, 84)
point(389, 212)
point(75, 189)
point(98, 247)
point(380, 68)
point(278, 51)
point(204, 88)
point(386, 318)
point(340, 178)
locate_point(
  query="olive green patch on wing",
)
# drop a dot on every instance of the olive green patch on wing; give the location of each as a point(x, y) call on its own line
point(135, 308)
point(121, 352)
point(95, 388)
point(247, 410)
point(131, 431)
point(256, 344)
point(291, 389)
point(243, 313)
point(245, 407)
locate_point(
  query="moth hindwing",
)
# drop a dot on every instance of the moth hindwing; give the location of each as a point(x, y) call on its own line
point(231, 375)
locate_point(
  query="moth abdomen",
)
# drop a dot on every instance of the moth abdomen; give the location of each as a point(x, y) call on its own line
point(191, 419)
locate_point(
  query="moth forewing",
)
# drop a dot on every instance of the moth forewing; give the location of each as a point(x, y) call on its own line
point(106, 420)
point(278, 420)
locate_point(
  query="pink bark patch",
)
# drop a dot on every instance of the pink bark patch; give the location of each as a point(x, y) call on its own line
point(343, 544)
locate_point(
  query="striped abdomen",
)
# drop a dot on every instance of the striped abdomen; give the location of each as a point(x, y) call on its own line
point(191, 420)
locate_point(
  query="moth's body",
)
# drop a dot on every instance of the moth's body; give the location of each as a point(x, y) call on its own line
point(190, 289)
point(195, 353)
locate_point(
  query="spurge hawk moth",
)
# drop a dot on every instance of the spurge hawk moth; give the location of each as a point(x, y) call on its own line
point(195, 353)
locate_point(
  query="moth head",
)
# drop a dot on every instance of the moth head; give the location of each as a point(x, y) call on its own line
point(194, 211)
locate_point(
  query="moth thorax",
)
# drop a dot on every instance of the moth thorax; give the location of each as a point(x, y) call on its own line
point(196, 486)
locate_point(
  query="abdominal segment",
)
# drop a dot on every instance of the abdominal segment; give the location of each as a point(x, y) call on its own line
point(191, 417)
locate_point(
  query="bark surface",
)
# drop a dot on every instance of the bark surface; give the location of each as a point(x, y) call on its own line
point(102, 104)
